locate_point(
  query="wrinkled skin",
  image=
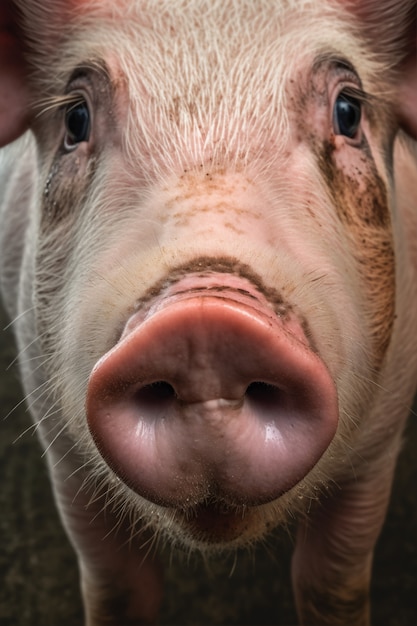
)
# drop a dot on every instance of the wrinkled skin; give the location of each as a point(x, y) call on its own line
point(208, 248)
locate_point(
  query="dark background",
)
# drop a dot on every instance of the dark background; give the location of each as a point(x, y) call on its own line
point(38, 574)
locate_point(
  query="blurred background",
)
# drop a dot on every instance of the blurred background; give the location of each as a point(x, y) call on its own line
point(38, 572)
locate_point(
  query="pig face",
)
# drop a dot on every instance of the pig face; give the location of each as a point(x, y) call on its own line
point(208, 242)
point(252, 179)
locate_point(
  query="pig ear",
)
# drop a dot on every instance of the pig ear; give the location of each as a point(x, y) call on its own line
point(390, 27)
point(14, 100)
point(407, 97)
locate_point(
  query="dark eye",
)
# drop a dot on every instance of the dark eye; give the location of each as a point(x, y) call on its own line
point(347, 115)
point(77, 122)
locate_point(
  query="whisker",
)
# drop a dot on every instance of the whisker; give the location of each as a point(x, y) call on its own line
point(23, 400)
point(18, 317)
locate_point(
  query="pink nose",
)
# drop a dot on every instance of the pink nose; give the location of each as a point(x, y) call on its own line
point(210, 397)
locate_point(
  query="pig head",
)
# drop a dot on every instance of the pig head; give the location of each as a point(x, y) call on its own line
point(208, 246)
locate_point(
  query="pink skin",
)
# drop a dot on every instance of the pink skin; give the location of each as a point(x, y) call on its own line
point(216, 402)
point(182, 386)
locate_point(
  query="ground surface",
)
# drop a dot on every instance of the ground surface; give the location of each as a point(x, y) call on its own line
point(38, 576)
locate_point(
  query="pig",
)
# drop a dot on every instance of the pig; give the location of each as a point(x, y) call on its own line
point(209, 250)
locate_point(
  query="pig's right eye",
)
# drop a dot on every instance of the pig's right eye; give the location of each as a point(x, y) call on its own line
point(77, 123)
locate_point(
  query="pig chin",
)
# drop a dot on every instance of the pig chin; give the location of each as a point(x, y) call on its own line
point(213, 403)
point(214, 526)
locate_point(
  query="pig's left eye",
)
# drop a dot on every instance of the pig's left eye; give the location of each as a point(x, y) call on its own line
point(347, 115)
point(77, 123)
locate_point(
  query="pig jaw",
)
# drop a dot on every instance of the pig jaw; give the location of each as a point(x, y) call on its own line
point(211, 404)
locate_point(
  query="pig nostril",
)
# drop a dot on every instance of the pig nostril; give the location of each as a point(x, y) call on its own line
point(155, 396)
point(264, 395)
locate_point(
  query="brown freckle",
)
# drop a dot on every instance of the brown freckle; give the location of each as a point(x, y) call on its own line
point(181, 219)
point(310, 210)
point(234, 228)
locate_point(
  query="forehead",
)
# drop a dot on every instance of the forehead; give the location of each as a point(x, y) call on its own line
point(212, 42)
point(214, 31)
point(215, 74)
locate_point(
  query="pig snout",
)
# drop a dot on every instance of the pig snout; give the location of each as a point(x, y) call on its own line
point(208, 387)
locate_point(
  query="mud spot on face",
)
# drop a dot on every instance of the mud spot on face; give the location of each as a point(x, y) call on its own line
point(65, 188)
point(360, 199)
point(360, 195)
point(221, 265)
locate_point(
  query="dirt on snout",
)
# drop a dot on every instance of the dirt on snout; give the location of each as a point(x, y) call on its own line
point(38, 572)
